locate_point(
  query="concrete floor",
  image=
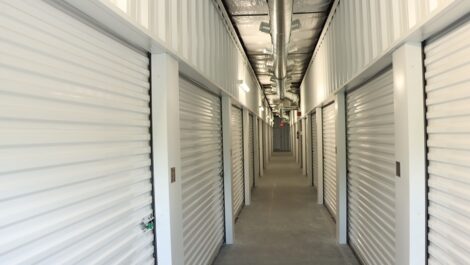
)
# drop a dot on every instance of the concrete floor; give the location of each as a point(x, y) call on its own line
point(284, 224)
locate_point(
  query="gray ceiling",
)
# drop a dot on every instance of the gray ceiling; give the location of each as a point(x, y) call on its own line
point(247, 15)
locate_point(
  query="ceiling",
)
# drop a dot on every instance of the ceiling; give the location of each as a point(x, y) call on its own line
point(247, 15)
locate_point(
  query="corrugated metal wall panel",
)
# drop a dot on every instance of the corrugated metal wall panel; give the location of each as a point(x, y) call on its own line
point(314, 151)
point(447, 62)
point(371, 170)
point(329, 158)
point(281, 136)
point(237, 161)
point(360, 32)
point(252, 152)
point(196, 32)
point(201, 173)
point(75, 178)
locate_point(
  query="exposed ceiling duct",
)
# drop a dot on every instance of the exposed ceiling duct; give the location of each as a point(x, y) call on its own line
point(280, 76)
point(280, 26)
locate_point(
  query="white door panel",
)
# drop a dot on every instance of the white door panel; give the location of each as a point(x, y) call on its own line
point(371, 175)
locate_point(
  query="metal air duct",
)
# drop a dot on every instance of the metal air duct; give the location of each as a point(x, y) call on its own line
point(280, 18)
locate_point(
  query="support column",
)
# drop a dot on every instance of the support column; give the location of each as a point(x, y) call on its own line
point(410, 146)
point(246, 154)
point(166, 156)
point(319, 118)
point(227, 154)
point(341, 170)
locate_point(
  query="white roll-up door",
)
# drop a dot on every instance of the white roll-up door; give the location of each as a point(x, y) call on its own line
point(252, 152)
point(237, 161)
point(447, 63)
point(301, 135)
point(201, 176)
point(371, 170)
point(260, 145)
point(329, 158)
point(75, 178)
point(314, 151)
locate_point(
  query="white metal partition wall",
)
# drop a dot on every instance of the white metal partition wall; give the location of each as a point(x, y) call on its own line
point(201, 173)
point(447, 63)
point(237, 161)
point(252, 151)
point(329, 158)
point(371, 170)
point(314, 150)
point(75, 178)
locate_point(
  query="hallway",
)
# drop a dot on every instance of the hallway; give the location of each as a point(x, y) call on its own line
point(284, 224)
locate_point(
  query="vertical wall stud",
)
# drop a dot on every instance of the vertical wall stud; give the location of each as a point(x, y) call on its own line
point(166, 150)
point(341, 169)
point(246, 154)
point(227, 154)
point(319, 140)
point(410, 187)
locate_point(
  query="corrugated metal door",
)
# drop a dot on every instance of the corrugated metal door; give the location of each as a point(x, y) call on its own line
point(237, 160)
point(301, 136)
point(329, 158)
point(314, 150)
point(447, 62)
point(371, 170)
point(201, 176)
point(252, 152)
point(75, 178)
point(260, 145)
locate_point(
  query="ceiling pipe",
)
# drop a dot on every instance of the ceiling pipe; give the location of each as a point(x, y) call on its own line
point(291, 96)
point(280, 12)
point(283, 114)
point(280, 15)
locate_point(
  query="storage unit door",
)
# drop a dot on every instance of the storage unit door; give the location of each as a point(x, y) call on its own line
point(329, 158)
point(75, 178)
point(201, 173)
point(371, 170)
point(314, 151)
point(300, 142)
point(237, 161)
point(252, 152)
point(447, 62)
point(260, 145)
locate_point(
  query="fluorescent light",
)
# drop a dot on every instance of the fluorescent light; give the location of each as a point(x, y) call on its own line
point(243, 86)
